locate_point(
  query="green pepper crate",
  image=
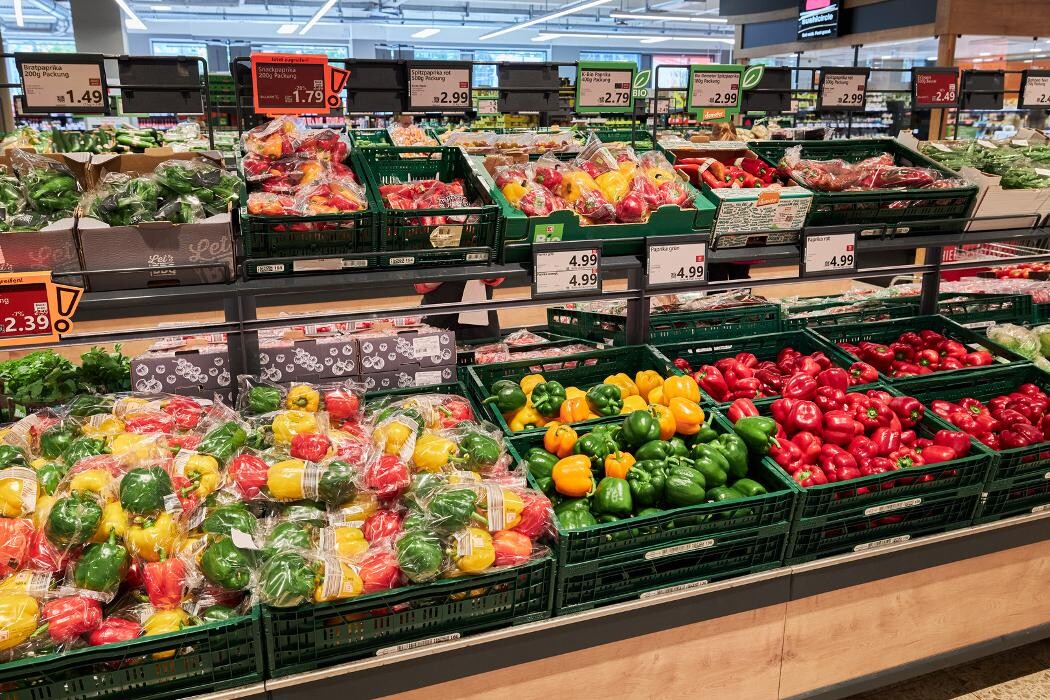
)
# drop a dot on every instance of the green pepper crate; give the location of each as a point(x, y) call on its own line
point(952, 386)
point(369, 138)
point(403, 240)
point(310, 637)
point(815, 538)
point(1022, 495)
point(583, 370)
point(909, 210)
point(205, 659)
point(614, 561)
point(886, 332)
point(1040, 313)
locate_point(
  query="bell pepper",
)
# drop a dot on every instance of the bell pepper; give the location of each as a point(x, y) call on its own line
point(419, 555)
point(632, 404)
point(837, 464)
point(757, 433)
point(829, 398)
point(303, 397)
point(480, 552)
point(809, 444)
point(185, 411)
point(613, 496)
point(383, 523)
point(838, 428)
point(341, 404)
point(248, 472)
point(624, 383)
point(287, 536)
point(706, 432)
point(452, 509)
point(906, 458)
point(646, 480)
point(618, 464)
point(688, 416)
point(286, 580)
point(640, 427)
point(113, 630)
point(109, 426)
point(863, 449)
point(1021, 435)
point(933, 454)
point(337, 581)
point(102, 566)
point(595, 446)
point(203, 471)
point(811, 475)
point(681, 386)
point(540, 464)
point(15, 537)
point(804, 416)
point(151, 538)
point(665, 419)
point(736, 453)
point(19, 614)
point(65, 619)
point(222, 442)
point(873, 415)
point(862, 373)
point(714, 467)
point(656, 397)
point(165, 581)
point(646, 380)
point(507, 396)
point(286, 480)
point(559, 440)
point(149, 422)
point(572, 475)
point(388, 476)
point(344, 541)
point(654, 450)
point(312, 447)
point(163, 622)
point(547, 398)
point(226, 565)
point(908, 409)
point(835, 377)
point(800, 386)
point(53, 442)
point(478, 451)
point(887, 441)
point(529, 382)
point(143, 490)
point(741, 408)
point(287, 424)
point(959, 442)
point(528, 418)
point(82, 447)
point(604, 400)
point(432, 452)
point(73, 519)
point(683, 486)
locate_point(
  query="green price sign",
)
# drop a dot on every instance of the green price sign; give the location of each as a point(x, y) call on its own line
point(605, 87)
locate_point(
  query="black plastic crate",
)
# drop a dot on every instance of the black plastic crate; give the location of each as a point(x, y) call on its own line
point(1028, 493)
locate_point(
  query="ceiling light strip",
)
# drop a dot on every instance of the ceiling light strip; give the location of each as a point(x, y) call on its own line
point(545, 18)
point(650, 17)
point(321, 12)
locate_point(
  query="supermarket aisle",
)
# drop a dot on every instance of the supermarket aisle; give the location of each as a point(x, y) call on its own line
point(1018, 674)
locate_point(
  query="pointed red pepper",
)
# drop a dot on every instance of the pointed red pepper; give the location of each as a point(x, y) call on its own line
point(712, 382)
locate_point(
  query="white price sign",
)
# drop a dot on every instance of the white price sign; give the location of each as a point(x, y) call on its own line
point(843, 91)
point(68, 85)
point(599, 89)
point(1036, 91)
point(566, 272)
point(676, 264)
point(715, 89)
point(488, 107)
point(829, 253)
point(439, 88)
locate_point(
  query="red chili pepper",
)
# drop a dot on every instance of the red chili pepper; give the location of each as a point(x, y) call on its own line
point(388, 476)
point(810, 476)
point(838, 428)
point(835, 377)
point(741, 408)
point(68, 618)
point(934, 454)
point(804, 415)
point(863, 373)
point(886, 441)
point(186, 412)
point(165, 582)
point(800, 386)
point(248, 472)
point(382, 523)
point(908, 409)
point(809, 443)
point(712, 382)
point(780, 408)
point(312, 447)
point(115, 629)
point(341, 404)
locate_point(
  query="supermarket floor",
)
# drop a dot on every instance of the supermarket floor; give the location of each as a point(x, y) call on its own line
point(1018, 674)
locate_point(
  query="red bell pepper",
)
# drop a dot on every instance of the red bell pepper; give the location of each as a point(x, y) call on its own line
point(943, 408)
point(863, 449)
point(800, 386)
point(838, 428)
point(787, 454)
point(821, 359)
point(810, 476)
point(989, 440)
point(835, 377)
point(934, 454)
point(746, 387)
point(1030, 389)
point(248, 472)
point(1044, 424)
point(1020, 435)
point(341, 404)
point(928, 358)
point(535, 518)
point(712, 382)
point(312, 447)
point(931, 338)
point(809, 445)
point(829, 398)
point(951, 363)
point(1008, 416)
point(165, 582)
point(182, 442)
point(748, 359)
point(741, 408)
point(951, 348)
point(780, 409)
point(804, 416)
point(879, 465)
point(906, 458)
point(902, 352)
point(186, 492)
point(912, 338)
point(382, 523)
point(115, 629)
point(908, 409)
point(887, 441)
point(68, 618)
point(879, 395)
point(379, 571)
point(978, 358)
point(149, 422)
point(186, 412)
point(863, 373)
point(808, 366)
point(837, 464)
point(388, 476)
point(771, 380)
point(683, 365)
point(908, 369)
point(964, 421)
point(908, 438)
point(876, 354)
point(16, 534)
point(875, 415)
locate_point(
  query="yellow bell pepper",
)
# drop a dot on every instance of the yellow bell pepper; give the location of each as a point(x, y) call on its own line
point(17, 493)
point(657, 396)
point(574, 392)
point(339, 581)
point(202, 470)
point(665, 419)
point(286, 479)
point(647, 380)
point(162, 622)
point(21, 582)
point(43, 509)
point(688, 416)
point(633, 403)
point(464, 477)
point(482, 552)
point(682, 386)
point(526, 418)
point(113, 519)
point(432, 452)
point(39, 462)
point(343, 541)
point(188, 546)
point(572, 476)
point(94, 480)
point(530, 382)
point(153, 536)
point(559, 439)
point(613, 184)
point(359, 508)
point(626, 386)
point(618, 464)
point(288, 424)
point(19, 614)
point(511, 507)
point(574, 410)
point(303, 397)
point(109, 426)
point(133, 444)
point(392, 437)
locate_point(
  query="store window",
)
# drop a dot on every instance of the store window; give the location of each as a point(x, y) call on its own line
point(42, 46)
point(485, 76)
point(439, 55)
point(179, 48)
point(635, 58)
point(676, 72)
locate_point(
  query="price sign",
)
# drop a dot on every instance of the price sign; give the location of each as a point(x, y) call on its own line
point(295, 83)
point(488, 107)
point(63, 83)
point(566, 269)
point(829, 254)
point(1035, 90)
point(33, 308)
point(439, 87)
point(714, 91)
point(842, 89)
point(604, 87)
point(933, 88)
point(675, 261)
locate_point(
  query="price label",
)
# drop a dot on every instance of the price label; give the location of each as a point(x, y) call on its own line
point(488, 107)
point(829, 254)
point(1036, 91)
point(63, 83)
point(438, 87)
point(843, 89)
point(295, 83)
point(935, 87)
point(559, 271)
point(676, 263)
point(715, 89)
point(34, 307)
point(605, 87)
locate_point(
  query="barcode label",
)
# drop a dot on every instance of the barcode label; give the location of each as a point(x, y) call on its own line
point(889, 507)
point(418, 643)
point(679, 549)
point(881, 543)
point(672, 589)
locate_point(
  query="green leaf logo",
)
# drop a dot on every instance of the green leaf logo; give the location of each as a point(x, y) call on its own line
point(752, 77)
point(642, 79)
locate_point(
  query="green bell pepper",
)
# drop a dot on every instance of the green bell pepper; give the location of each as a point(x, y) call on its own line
point(50, 475)
point(87, 405)
point(217, 613)
point(575, 514)
point(102, 566)
point(336, 484)
point(646, 481)
point(654, 449)
point(415, 521)
point(286, 580)
point(613, 497)
point(640, 427)
point(613, 436)
point(423, 484)
point(142, 490)
point(507, 396)
point(223, 441)
point(82, 447)
point(227, 518)
point(264, 399)
point(547, 398)
point(73, 519)
point(540, 462)
point(452, 510)
point(684, 486)
point(749, 487)
point(714, 475)
point(226, 565)
point(757, 433)
point(595, 446)
point(605, 400)
point(11, 456)
point(706, 433)
point(258, 439)
point(285, 536)
point(419, 555)
point(710, 452)
point(735, 451)
point(678, 447)
point(55, 440)
point(477, 451)
point(723, 493)
point(646, 512)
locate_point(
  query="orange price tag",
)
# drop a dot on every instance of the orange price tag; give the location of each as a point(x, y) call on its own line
point(295, 83)
point(35, 309)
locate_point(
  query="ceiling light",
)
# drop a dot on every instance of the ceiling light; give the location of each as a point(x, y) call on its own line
point(160, 8)
point(655, 39)
point(885, 58)
point(985, 53)
point(931, 58)
point(321, 12)
point(19, 19)
point(978, 60)
point(288, 28)
point(545, 18)
point(644, 38)
point(1028, 60)
point(132, 21)
point(660, 17)
point(424, 33)
point(1033, 50)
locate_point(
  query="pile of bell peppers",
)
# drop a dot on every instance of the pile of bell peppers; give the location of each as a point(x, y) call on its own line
point(1006, 422)
point(745, 173)
point(915, 353)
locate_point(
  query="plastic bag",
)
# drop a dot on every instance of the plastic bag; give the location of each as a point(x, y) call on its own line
point(273, 140)
point(330, 195)
point(324, 144)
point(12, 198)
point(122, 199)
point(410, 135)
point(1025, 342)
point(209, 183)
point(50, 187)
point(270, 204)
point(184, 209)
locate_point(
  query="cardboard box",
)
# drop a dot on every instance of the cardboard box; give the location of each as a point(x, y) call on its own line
point(175, 366)
point(284, 359)
point(406, 349)
point(400, 379)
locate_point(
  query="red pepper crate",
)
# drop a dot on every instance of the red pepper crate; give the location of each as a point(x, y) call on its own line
point(1009, 463)
point(1022, 495)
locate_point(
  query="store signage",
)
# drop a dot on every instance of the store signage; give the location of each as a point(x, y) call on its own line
point(675, 261)
point(35, 309)
point(566, 269)
point(605, 87)
point(933, 88)
point(826, 254)
point(488, 106)
point(842, 89)
point(439, 87)
point(1035, 89)
point(714, 91)
point(295, 84)
point(818, 19)
point(63, 83)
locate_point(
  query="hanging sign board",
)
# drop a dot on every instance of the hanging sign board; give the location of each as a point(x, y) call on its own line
point(63, 82)
point(933, 88)
point(160, 85)
point(675, 261)
point(33, 309)
point(605, 87)
point(818, 19)
point(842, 89)
point(566, 269)
point(439, 87)
point(714, 91)
point(295, 84)
point(1035, 90)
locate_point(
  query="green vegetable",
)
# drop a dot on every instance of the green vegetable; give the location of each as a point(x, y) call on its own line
point(11, 456)
point(56, 440)
point(757, 433)
point(41, 377)
point(646, 480)
point(50, 475)
point(285, 536)
point(286, 580)
point(684, 486)
point(102, 566)
point(232, 516)
point(419, 555)
point(122, 200)
point(103, 372)
point(73, 519)
point(336, 484)
point(82, 447)
point(547, 398)
point(613, 497)
point(604, 399)
point(507, 396)
point(264, 399)
point(575, 514)
point(595, 446)
point(735, 451)
point(218, 613)
point(452, 510)
point(540, 462)
point(143, 490)
point(640, 427)
point(226, 565)
point(223, 441)
point(478, 451)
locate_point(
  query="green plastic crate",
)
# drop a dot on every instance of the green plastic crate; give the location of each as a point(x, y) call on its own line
point(583, 370)
point(207, 658)
point(888, 331)
point(984, 310)
point(1040, 313)
point(902, 210)
point(873, 310)
point(404, 238)
point(369, 138)
point(594, 326)
point(814, 538)
point(1020, 461)
point(1028, 493)
point(310, 637)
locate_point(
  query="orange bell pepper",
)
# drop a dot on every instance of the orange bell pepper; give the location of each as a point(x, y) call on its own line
point(657, 396)
point(574, 410)
point(665, 418)
point(572, 476)
point(618, 464)
point(682, 386)
point(559, 439)
point(688, 416)
point(646, 380)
